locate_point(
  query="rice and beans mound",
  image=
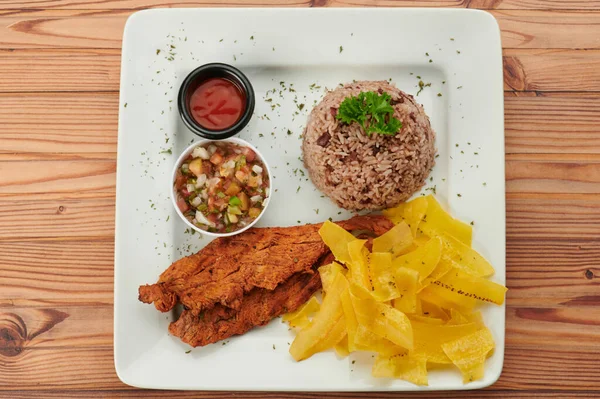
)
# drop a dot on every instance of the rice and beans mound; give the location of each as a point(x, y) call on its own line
point(361, 171)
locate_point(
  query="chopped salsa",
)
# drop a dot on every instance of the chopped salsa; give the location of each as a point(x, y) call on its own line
point(222, 187)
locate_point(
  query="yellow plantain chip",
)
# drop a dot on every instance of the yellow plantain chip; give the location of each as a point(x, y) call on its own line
point(473, 287)
point(351, 321)
point(327, 272)
point(457, 318)
point(383, 276)
point(437, 221)
point(328, 326)
point(424, 259)
point(430, 337)
point(443, 267)
point(367, 341)
point(396, 241)
point(447, 299)
point(469, 352)
point(407, 282)
point(427, 320)
point(433, 309)
point(404, 366)
point(299, 318)
point(358, 266)
point(337, 239)
point(341, 348)
point(411, 213)
point(466, 258)
point(383, 320)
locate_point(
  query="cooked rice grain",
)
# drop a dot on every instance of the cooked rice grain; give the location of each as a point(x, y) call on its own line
point(360, 172)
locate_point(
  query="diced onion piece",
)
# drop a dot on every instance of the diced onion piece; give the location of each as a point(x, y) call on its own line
point(204, 194)
point(265, 202)
point(196, 201)
point(256, 198)
point(267, 191)
point(213, 182)
point(201, 181)
point(212, 149)
point(203, 220)
point(257, 169)
point(229, 164)
point(200, 152)
point(191, 188)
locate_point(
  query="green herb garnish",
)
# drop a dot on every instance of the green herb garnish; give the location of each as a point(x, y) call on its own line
point(373, 111)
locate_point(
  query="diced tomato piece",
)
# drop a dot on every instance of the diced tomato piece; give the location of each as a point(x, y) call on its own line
point(233, 188)
point(180, 181)
point(213, 217)
point(211, 203)
point(207, 168)
point(216, 159)
point(249, 154)
point(182, 205)
point(232, 157)
point(184, 192)
point(221, 203)
point(241, 176)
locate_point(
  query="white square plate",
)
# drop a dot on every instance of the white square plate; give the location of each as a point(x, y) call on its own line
point(457, 51)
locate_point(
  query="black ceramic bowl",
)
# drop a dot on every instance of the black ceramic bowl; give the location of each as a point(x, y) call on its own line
point(203, 73)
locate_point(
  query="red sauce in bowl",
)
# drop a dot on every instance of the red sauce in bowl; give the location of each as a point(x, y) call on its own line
point(217, 103)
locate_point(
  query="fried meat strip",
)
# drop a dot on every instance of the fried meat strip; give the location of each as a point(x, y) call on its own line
point(259, 307)
point(228, 268)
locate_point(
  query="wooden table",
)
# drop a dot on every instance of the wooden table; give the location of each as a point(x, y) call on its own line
point(59, 83)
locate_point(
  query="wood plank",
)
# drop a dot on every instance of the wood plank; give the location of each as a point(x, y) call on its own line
point(552, 125)
point(59, 126)
point(38, 70)
point(141, 4)
point(56, 326)
point(63, 270)
point(59, 70)
point(552, 70)
point(64, 126)
point(540, 232)
point(60, 325)
point(39, 219)
point(528, 218)
point(476, 4)
point(51, 332)
point(547, 175)
point(552, 177)
point(59, 29)
point(103, 29)
point(64, 177)
point(59, 368)
point(541, 367)
point(525, 367)
point(575, 327)
point(549, 29)
point(127, 394)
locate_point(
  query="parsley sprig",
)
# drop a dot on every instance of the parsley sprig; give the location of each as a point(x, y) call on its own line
point(373, 111)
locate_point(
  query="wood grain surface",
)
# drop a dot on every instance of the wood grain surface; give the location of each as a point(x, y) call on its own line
point(59, 83)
